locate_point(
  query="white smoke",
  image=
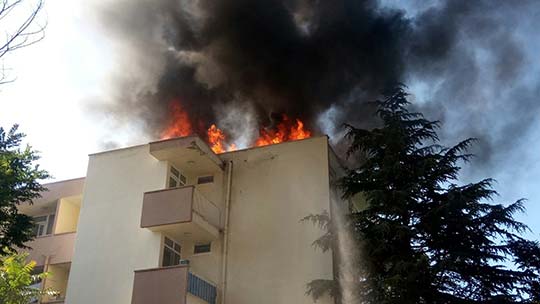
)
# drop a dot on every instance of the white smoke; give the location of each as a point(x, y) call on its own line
point(348, 255)
point(240, 120)
point(330, 123)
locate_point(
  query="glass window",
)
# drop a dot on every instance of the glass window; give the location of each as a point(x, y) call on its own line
point(167, 256)
point(175, 172)
point(171, 253)
point(50, 224)
point(205, 179)
point(43, 225)
point(176, 179)
point(39, 229)
point(169, 242)
point(202, 248)
point(172, 183)
point(183, 179)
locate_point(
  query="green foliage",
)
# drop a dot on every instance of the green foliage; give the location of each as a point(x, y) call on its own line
point(16, 279)
point(323, 222)
point(318, 288)
point(19, 177)
point(422, 237)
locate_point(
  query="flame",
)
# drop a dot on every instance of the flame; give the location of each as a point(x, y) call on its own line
point(216, 139)
point(285, 131)
point(298, 132)
point(179, 124)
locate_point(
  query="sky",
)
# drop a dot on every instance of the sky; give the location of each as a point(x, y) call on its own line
point(60, 78)
point(55, 81)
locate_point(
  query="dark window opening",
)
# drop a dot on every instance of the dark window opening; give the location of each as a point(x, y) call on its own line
point(171, 253)
point(202, 248)
point(205, 179)
point(176, 178)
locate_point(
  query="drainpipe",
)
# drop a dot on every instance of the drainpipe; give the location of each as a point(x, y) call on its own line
point(225, 233)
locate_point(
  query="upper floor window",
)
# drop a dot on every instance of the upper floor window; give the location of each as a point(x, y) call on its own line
point(205, 179)
point(202, 248)
point(171, 253)
point(43, 225)
point(176, 179)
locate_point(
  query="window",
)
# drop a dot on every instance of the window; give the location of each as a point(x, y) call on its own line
point(50, 223)
point(43, 225)
point(176, 179)
point(202, 248)
point(171, 253)
point(205, 179)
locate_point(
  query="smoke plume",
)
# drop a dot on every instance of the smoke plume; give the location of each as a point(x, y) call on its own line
point(238, 62)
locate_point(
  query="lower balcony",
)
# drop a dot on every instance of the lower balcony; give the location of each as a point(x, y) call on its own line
point(171, 285)
point(56, 280)
point(183, 213)
point(52, 249)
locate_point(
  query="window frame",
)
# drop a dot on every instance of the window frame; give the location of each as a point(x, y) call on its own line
point(48, 223)
point(209, 244)
point(177, 252)
point(176, 178)
point(205, 176)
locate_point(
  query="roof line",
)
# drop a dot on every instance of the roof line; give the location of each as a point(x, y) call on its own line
point(64, 180)
point(272, 145)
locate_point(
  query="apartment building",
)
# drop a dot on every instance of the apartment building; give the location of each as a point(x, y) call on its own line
point(171, 222)
point(56, 215)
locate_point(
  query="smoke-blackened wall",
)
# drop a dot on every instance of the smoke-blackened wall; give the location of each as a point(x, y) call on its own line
point(235, 62)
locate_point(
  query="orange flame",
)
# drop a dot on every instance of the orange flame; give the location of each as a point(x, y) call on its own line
point(298, 132)
point(286, 131)
point(216, 138)
point(179, 124)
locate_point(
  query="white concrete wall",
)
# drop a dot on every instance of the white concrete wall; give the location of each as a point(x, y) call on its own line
point(191, 299)
point(212, 191)
point(205, 265)
point(110, 244)
point(271, 257)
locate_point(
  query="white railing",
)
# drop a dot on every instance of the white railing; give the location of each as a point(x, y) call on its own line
point(206, 209)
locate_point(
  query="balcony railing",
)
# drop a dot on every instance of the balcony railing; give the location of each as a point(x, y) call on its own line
point(170, 285)
point(180, 212)
point(206, 209)
point(166, 285)
point(202, 289)
point(57, 247)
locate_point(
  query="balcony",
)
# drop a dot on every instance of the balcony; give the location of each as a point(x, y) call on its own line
point(56, 280)
point(170, 285)
point(57, 247)
point(183, 213)
point(160, 285)
point(190, 154)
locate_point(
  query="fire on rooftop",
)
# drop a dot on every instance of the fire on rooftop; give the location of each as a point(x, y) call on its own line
point(180, 124)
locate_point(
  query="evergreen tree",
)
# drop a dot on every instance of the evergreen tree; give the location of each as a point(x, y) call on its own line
point(19, 182)
point(423, 238)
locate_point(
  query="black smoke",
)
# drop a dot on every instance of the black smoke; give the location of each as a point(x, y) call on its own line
point(236, 62)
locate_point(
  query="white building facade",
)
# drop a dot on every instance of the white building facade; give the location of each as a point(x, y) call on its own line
point(172, 222)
